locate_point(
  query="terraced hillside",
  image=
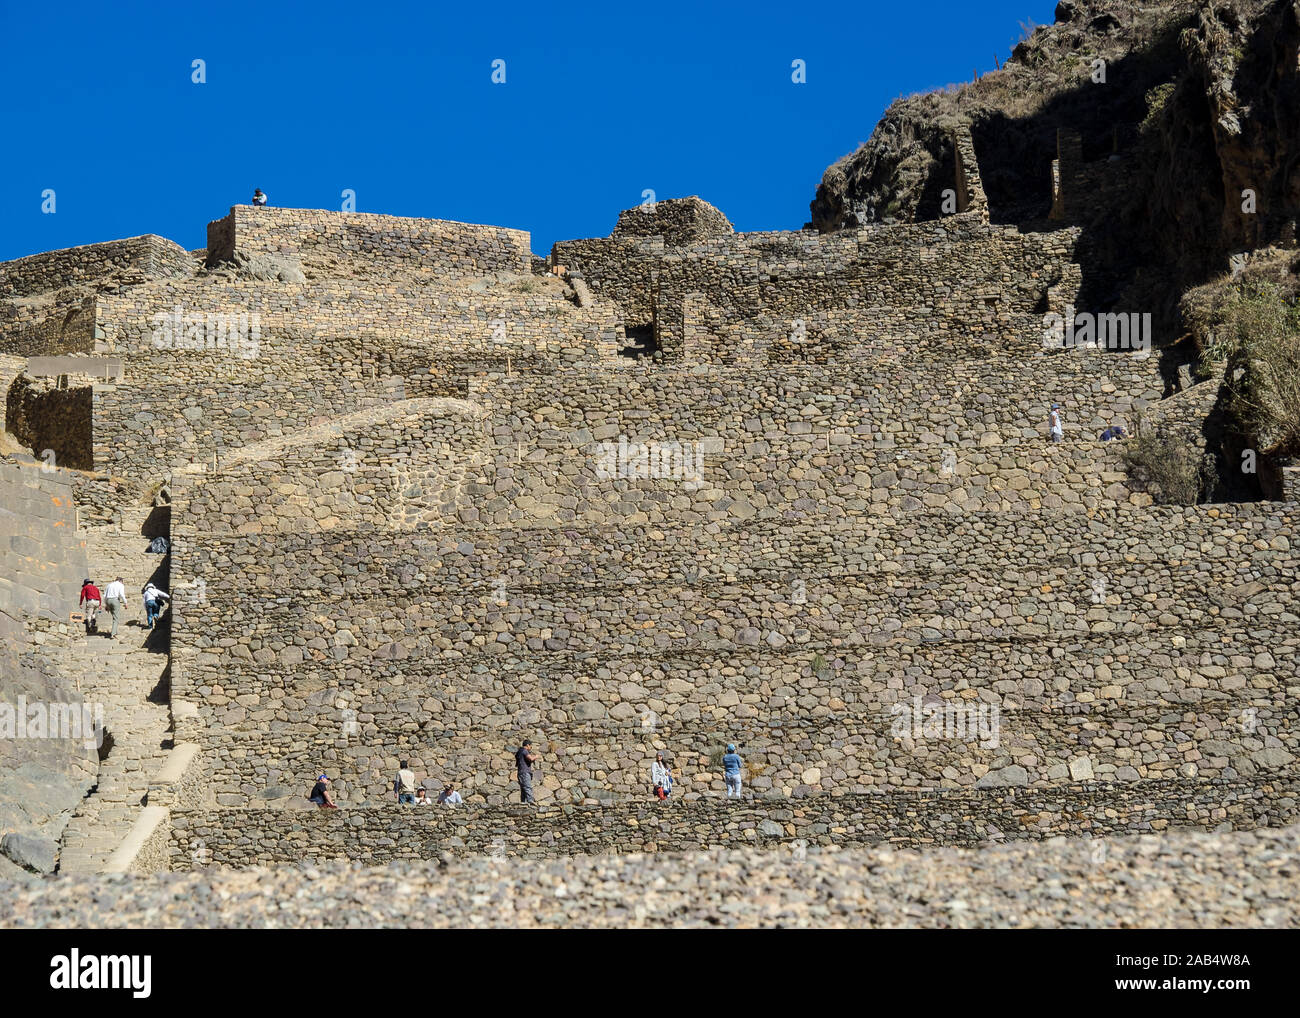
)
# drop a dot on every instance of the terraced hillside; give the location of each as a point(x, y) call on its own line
point(675, 488)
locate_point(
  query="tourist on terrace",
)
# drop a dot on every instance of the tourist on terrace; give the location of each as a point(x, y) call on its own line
point(259, 199)
point(524, 759)
point(449, 796)
point(731, 764)
point(404, 785)
point(320, 794)
point(661, 777)
point(1113, 434)
point(115, 602)
point(153, 598)
point(1054, 423)
point(91, 599)
point(422, 798)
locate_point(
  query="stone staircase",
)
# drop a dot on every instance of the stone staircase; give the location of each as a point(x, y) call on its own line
point(128, 677)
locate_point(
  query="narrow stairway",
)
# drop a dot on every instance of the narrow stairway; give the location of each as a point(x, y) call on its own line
point(128, 677)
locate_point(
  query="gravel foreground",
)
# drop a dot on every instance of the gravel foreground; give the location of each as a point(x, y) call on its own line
point(1249, 879)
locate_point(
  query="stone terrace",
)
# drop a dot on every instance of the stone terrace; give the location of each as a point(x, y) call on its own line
point(414, 523)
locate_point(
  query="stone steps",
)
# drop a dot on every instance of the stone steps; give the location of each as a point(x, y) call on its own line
point(119, 675)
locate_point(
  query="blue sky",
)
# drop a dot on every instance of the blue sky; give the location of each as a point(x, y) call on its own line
point(601, 102)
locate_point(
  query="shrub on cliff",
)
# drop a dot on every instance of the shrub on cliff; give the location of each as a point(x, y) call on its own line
point(1253, 329)
point(1165, 465)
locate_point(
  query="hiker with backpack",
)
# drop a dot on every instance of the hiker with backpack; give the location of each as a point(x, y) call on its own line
point(153, 600)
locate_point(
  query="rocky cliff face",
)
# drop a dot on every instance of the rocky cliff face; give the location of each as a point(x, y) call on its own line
point(1199, 103)
point(1177, 127)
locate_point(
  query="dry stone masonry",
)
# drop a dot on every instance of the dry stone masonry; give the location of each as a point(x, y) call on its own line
point(421, 508)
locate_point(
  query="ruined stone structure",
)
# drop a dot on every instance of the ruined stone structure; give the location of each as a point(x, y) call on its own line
point(420, 507)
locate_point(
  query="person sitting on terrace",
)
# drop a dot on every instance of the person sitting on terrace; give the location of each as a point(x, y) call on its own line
point(320, 794)
point(259, 199)
point(449, 796)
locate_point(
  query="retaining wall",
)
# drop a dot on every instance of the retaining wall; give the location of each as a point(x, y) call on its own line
point(367, 245)
point(249, 837)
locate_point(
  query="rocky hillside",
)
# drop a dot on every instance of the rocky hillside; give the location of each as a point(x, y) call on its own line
point(1189, 118)
point(1199, 101)
point(1177, 879)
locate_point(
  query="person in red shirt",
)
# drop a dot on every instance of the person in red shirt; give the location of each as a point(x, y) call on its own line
point(91, 599)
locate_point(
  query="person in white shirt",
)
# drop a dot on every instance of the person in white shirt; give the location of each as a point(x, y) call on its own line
point(449, 796)
point(1054, 423)
point(404, 785)
point(115, 602)
point(259, 199)
point(422, 798)
point(153, 602)
point(661, 776)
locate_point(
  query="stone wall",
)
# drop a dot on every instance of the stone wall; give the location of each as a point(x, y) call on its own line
point(45, 557)
point(963, 434)
point(363, 245)
point(309, 353)
point(399, 466)
point(677, 221)
point(42, 564)
point(139, 257)
point(254, 836)
point(1161, 630)
point(790, 445)
point(969, 184)
point(10, 368)
point(960, 276)
point(44, 417)
point(62, 324)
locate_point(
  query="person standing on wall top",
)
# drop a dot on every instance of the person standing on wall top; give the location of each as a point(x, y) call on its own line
point(661, 777)
point(524, 759)
point(731, 764)
point(404, 785)
point(153, 598)
point(259, 199)
point(115, 602)
point(91, 599)
point(1054, 423)
point(320, 793)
